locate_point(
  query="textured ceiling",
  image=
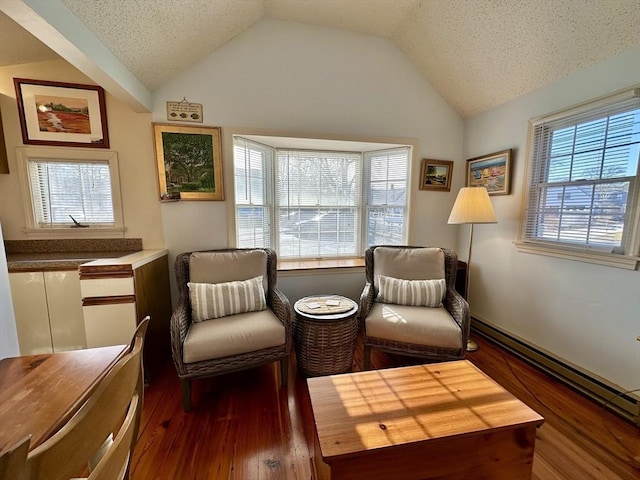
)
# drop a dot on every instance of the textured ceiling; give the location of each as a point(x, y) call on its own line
point(477, 53)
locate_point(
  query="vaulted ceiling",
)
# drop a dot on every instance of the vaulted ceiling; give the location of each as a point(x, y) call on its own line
point(477, 53)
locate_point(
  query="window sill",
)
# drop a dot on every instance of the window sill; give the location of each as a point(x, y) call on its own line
point(96, 232)
point(325, 266)
point(598, 258)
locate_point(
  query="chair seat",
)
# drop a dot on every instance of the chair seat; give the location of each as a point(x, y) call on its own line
point(407, 324)
point(233, 335)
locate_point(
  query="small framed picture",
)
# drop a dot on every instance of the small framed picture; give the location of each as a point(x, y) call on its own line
point(436, 175)
point(61, 114)
point(189, 162)
point(491, 171)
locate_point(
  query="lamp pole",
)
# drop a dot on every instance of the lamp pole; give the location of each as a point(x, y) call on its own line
point(472, 205)
point(472, 345)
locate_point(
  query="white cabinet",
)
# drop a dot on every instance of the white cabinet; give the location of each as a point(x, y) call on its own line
point(48, 311)
point(118, 293)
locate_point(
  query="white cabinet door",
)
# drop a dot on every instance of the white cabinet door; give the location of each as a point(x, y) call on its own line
point(66, 319)
point(32, 316)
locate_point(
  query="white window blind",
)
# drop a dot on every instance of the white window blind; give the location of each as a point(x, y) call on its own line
point(64, 189)
point(319, 203)
point(253, 192)
point(385, 196)
point(318, 196)
point(583, 183)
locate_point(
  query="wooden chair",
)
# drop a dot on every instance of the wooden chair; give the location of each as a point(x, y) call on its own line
point(140, 333)
point(201, 349)
point(435, 334)
point(68, 451)
point(115, 462)
point(13, 461)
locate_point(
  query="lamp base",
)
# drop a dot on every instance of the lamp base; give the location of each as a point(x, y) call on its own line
point(472, 346)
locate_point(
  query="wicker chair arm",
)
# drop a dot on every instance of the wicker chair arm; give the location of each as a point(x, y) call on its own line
point(458, 307)
point(367, 298)
point(180, 322)
point(281, 307)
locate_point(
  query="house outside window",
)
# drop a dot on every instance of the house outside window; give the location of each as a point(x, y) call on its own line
point(319, 203)
point(583, 190)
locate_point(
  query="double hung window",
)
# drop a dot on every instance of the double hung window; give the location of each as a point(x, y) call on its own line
point(319, 203)
point(583, 180)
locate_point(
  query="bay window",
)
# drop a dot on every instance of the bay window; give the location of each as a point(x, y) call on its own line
point(319, 202)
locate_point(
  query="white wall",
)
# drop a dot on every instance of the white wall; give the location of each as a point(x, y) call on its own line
point(130, 135)
point(302, 78)
point(9, 346)
point(588, 315)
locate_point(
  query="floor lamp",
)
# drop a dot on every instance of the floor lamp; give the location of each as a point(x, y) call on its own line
point(472, 206)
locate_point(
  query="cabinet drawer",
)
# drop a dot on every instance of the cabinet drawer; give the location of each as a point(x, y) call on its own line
point(112, 324)
point(106, 287)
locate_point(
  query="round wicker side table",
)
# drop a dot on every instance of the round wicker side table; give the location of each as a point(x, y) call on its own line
point(324, 332)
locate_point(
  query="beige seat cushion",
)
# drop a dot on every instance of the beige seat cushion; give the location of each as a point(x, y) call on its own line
point(418, 325)
point(232, 335)
point(218, 267)
point(408, 263)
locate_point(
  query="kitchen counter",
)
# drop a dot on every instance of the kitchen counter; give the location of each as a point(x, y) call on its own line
point(54, 261)
point(65, 254)
point(130, 260)
point(73, 294)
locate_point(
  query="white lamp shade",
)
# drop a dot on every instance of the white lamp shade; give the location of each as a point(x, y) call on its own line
point(472, 206)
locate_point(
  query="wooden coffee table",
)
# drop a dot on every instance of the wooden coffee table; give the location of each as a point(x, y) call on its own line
point(444, 420)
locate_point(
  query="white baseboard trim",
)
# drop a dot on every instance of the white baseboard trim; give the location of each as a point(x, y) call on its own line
point(606, 394)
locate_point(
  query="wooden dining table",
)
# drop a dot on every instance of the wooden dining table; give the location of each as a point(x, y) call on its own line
point(40, 393)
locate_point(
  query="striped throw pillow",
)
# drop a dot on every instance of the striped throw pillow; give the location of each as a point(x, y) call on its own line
point(417, 293)
point(215, 300)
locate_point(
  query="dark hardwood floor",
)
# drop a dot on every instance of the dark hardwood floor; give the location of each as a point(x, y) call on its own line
point(243, 426)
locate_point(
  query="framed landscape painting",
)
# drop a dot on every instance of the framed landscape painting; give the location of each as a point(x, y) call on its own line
point(61, 114)
point(189, 162)
point(491, 171)
point(436, 175)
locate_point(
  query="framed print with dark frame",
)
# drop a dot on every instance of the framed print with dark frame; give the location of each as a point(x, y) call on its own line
point(61, 114)
point(491, 171)
point(436, 175)
point(4, 160)
point(189, 162)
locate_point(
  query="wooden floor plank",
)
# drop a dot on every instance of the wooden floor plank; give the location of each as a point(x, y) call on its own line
point(245, 426)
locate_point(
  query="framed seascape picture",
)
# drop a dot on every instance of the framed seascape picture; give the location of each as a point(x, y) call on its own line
point(61, 114)
point(189, 162)
point(436, 175)
point(491, 171)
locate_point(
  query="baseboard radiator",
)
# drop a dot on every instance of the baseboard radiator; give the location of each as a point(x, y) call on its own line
point(609, 396)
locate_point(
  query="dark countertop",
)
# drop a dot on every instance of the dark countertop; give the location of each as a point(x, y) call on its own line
point(53, 261)
point(65, 254)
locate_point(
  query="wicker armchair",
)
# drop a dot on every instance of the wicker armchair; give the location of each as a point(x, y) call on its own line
point(183, 329)
point(433, 333)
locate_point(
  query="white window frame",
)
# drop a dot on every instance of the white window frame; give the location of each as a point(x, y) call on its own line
point(288, 140)
point(628, 260)
point(32, 228)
